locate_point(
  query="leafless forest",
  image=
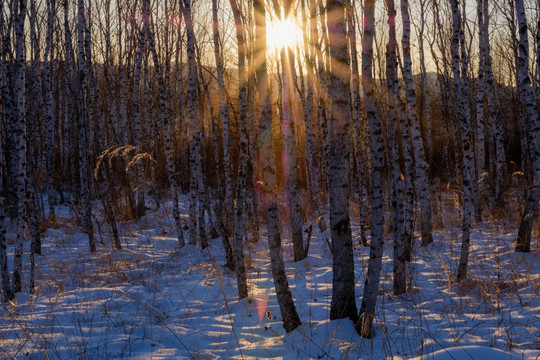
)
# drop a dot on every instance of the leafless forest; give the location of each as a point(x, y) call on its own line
point(269, 121)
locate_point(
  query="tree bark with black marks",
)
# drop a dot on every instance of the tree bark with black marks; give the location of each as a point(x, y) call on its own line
point(18, 134)
point(228, 195)
point(165, 125)
point(288, 75)
point(84, 109)
point(343, 280)
point(422, 175)
point(6, 283)
point(269, 187)
point(523, 242)
point(397, 185)
point(459, 67)
point(197, 189)
point(241, 203)
point(371, 287)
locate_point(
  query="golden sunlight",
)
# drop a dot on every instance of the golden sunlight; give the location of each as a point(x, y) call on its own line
point(283, 33)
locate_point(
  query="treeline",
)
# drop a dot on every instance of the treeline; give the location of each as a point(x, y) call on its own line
point(112, 105)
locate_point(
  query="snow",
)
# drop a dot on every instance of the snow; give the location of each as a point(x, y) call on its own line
point(470, 352)
point(151, 300)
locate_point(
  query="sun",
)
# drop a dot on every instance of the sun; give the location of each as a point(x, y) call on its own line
point(283, 33)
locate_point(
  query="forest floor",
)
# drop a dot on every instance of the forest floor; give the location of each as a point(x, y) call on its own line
point(151, 300)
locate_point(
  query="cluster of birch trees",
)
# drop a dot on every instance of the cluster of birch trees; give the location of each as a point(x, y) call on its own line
point(112, 105)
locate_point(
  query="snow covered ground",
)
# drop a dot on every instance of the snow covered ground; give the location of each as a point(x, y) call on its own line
point(153, 301)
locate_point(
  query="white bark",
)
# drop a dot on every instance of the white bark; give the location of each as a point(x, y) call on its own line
point(422, 177)
point(496, 128)
point(135, 107)
point(85, 117)
point(397, 188)
point(49, 121)
point(269, 188)
point(480, 96)
point(196, 187)
point(289, 139)
point(371, 287)
point(164, 121)
point(313, 167)
point(357, 120)
point(426, 101)
point(523, 242)
point(343, 280)
point(466, 135)
point(6, 284)
point(228, 196)
point(241, 203)
point(19, 133)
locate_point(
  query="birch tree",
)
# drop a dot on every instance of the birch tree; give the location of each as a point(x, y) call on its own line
point(196, 188)
point(84, 118)
point(164, 121)
point(6, 285)
point(309, 22)
point(480, 96)
point(422, 175)
point(466, 135)
point(397, 188)
point(19, 9)
point(289, 133)
point(135, 115)
point(343, 280)
point(494, 121)
point(357, 120)
point(371, 286)
point(523, 242)
point(224, 115)
point(241, 203)
point(269, 187)
point(48, 101)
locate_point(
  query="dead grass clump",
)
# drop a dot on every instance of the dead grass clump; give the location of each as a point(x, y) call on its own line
point(487, 290)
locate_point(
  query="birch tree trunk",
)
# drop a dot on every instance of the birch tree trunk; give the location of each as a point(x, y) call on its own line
point(4, 117)
point(343, 280)
point(313, 166)
point(31, 137)
point(49, 121)
point(31, 208)
point(224, 115)
point(407, 231)
point(480, 97)
point(196, 188)
point(135, 107)
point(322, 106)
point(289, 129)
point(523, 242)
point(465, 51)
point(19, 133)
point(241, 203)
point(164, 121)
point(422, 176)
point(6, 284)
point(426, 101)
point(397, 200)
point(371, 286)
point(357, 115)
point(496, 128)
point(466, 136)
point(269, 188)
point(71, 97)
point(84, 109)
